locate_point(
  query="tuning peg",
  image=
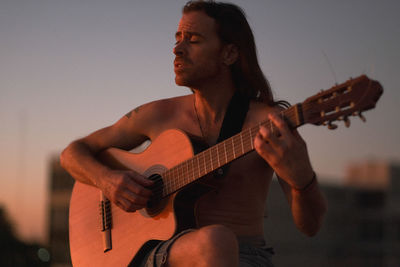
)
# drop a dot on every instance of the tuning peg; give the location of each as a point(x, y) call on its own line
point(346, 122)
point(332, 126)
point(362, 117)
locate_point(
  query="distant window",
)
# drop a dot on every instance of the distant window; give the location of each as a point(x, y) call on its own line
point(371, 230)
point(370, 199)
point(398, 230)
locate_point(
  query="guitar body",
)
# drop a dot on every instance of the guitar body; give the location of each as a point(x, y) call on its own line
point(96, 242)
point(132, 232)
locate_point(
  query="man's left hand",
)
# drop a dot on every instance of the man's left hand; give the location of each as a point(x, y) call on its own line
point(285, 151)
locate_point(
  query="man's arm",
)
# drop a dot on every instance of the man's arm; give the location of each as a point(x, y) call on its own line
point(286, 153)
point(127, 189)
point(307, 204)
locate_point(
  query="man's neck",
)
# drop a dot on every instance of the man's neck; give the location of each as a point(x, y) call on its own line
point(212, 101)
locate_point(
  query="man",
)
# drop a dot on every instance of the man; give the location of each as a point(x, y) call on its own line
point(215, 57)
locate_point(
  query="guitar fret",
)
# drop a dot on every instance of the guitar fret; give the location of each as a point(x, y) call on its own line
point(193, 169)
point(185, 172)
point(198, 164)
point(241, 142)
point(204, 169)
point(247, 142)
point(219, 163)
point(167, 181)
point(226, 151)
point(189, 173)
point(189, 176)
point(181, 173)
point(172, 181)
point(177, 177)
point(251, 142)
point(229, 152)
point(185, 169)
point(212, 157)
point(193, 176)
point(237, 146)
point(233, 148)
point(205, 162)
point(226, 156)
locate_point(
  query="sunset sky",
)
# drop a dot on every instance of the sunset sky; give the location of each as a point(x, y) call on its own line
point(68, 68)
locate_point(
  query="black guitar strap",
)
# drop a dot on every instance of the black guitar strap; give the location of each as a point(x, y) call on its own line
point(234, 116)
point(233, 121)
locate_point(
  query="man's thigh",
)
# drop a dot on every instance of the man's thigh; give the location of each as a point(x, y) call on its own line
point(215, 244)
point(158, 256)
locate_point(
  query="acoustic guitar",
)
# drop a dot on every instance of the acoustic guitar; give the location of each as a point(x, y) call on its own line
point(102, 234)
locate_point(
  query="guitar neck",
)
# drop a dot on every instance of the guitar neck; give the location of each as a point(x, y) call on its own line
point(222, 153)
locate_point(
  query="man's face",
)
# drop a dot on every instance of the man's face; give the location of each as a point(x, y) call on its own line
point(197, 51)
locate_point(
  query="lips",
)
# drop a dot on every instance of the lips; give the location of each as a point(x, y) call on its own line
point(180, 63)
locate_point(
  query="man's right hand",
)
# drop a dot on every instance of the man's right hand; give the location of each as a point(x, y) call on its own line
point(127, 189)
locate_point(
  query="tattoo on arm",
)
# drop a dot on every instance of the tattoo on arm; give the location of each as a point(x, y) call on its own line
point(129, 114)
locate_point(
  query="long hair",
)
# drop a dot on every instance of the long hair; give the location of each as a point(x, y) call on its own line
point(233, 28)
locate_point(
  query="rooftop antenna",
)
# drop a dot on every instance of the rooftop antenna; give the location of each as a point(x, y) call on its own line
point(330, 67)
point(21, 162)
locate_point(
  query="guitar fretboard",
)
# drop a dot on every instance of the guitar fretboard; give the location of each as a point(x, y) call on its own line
point(222, 153)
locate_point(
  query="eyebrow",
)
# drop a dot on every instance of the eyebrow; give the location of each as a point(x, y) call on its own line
point(179, 33)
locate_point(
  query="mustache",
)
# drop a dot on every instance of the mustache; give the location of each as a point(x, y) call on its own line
point(182, 60)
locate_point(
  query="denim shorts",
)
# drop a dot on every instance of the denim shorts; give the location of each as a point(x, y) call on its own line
point(249, 255)
point(255, 256)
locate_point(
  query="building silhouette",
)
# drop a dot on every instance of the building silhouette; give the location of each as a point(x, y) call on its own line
point(362, 226)
point(60, 187)
point(15, 252)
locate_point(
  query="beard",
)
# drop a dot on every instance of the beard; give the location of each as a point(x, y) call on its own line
point(192, 76)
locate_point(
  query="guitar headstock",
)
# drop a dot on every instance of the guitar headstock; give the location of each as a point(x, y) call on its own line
point(341, 101)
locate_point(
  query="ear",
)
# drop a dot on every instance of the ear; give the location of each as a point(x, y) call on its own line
point(230, 54)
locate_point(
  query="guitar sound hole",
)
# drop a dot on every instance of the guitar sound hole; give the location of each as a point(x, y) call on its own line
point(156, 202)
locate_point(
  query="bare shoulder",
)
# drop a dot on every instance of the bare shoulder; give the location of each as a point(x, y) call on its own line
point(153, 117)
point(159, 109)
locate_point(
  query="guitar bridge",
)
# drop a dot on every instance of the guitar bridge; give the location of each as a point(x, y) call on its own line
point(106, 222)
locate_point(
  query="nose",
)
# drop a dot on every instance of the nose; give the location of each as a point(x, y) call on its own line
point(179, 49)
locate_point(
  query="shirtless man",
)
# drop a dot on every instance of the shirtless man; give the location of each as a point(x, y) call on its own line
point(214, 56)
